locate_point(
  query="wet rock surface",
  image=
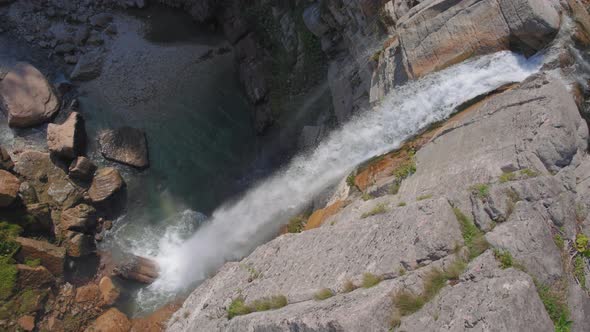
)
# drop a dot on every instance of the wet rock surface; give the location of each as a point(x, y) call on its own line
point(125, 145)
point(68, 139)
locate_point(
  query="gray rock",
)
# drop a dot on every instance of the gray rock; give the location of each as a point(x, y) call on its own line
point(27, 97)
point(125, 145)
point(489, 299)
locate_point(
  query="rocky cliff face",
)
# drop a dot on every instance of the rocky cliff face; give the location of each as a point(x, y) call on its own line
point(480, 223)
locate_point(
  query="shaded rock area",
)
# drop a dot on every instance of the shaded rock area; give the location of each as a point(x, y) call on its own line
point(9, 187)
point(27, 97)
point(125, 145)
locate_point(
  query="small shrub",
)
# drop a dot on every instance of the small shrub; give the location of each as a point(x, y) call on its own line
point(254, 274)
point(482, 190)
point(558, 239)
point(378, 209)
point(370, 280)
point(348, 286)
point(405, 169)
point(554, 300)
point(394, 188)
point(323, 294)
point(474, 239)
point(455, 269)
point(581, 212)
point(296, 224)
point(8, 232)
point(367, 196)
point(8, 273)
point(32, 262)
point(528, 173)
point(401, 271)
point(507, 176)
point(350, 180)
point(238, 307)
point(423, 197)
point(582, 244)
point(407, 303)
point(504, 257)
point(401, 204)
point(579, 270)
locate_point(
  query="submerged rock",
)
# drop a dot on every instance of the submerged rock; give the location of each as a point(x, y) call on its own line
point(27, 97)
point(9, 187)
point(125, 145)
point(68, 139)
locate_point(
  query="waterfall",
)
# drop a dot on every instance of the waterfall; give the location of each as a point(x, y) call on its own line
point(235, 230)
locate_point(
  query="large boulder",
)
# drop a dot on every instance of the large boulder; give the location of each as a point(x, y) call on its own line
point(9, 186)
point(437, 34)
point(109, 291)
point(51, 256)
point(27, 97)
point(125, 145)
point(79, 244)
point(81, 218)
point(33, 276)
point(67, 140)
point(111, 321)
point(107, 183)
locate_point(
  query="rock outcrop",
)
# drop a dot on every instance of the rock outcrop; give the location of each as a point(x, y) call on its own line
point(51, 256)
point(27, 97)
point(9, 187)
point(534, 133)
point(111, 321)
point(68, 139)
point(125, 145)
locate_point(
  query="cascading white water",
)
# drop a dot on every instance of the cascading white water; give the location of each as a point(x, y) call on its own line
point(234, 230)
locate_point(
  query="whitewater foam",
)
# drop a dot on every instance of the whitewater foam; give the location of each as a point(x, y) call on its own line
point(233, 231)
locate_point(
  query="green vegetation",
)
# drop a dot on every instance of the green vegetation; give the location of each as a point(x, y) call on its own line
point(504, 257)
point(522, 174)
point(407, 303)
point(555, 302)
point(254, 274)
point(32, 262)
point(394, 187)
point(559, 242)
point(581, 212)
point(8, 273)
point(8, 232)
point(323, 294)
point(481, 190)
point(350, 180)
point(296, 224)
point(582, 244)
point(367, 196)
point(474, 238)
point(423, 197)
point(401, 271)
point(239, 307)
point(378, 209)
point(401, 204)
point(370, 280)
point(579, 270)
point(406, 169)
point(348, 286)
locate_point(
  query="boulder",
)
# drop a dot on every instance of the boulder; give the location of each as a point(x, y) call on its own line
point(67, 140)
point(125, 145)
point(42, 215)
point(51, 256)
point(79, 244)
point(107, 183)
point(138, 268)
point(89, 65)
point(9, 187)
point(81, 218)
point(33, 277)
point(88, 293)
point(5, 160)
point(111, 321)
point(109, 291)
point(82, 168)
point(26, 322)
point(27, 97)
point(27, 193)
